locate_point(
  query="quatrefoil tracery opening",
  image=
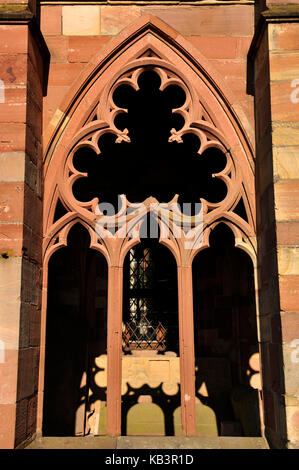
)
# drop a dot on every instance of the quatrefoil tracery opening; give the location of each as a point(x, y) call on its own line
point(150, 147)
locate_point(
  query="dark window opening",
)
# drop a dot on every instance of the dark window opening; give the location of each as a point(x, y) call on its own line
point(149, 165)
point(225, 329)
point(76, 333)
point(150, 308)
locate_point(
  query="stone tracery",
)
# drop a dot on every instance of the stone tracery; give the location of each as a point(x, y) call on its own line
point(195, 122)
point(201, 120)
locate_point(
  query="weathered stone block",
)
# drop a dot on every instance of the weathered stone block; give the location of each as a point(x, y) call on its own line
point(285, 134)
point(13, 137)
point(8, 377)
point(210, 21)
point(290, 331)
point(287, 208)
point(283, 36)
point(282, 107)
point(284, 66)
point(291, 376)
point(289, 293)
point(13, 39)
point(293, 431)
point(80, 20)
point(287, 233)
point(7, 425)
point(82, 49)
point(216, 47)
point(64, 74)
point(12, 112)
point(51, 19)
point(288, 260)
point(11, 239)
point(115, 18)
point(286, 162)
point(52, 101)
point(11, 201)
point(13, 69)
point(58, 47)
point(12, 166)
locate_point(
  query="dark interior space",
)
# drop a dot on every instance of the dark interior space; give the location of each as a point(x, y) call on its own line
point(149, 165)
point(150, 316)
point(76, 334)
point(226, 334)
point(150, 298)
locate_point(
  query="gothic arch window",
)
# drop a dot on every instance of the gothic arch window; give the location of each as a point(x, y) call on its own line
point(146, 131)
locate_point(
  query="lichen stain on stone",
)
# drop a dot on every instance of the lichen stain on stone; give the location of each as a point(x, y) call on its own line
point(5, 254)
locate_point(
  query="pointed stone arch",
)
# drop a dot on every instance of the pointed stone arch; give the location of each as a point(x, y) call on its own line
point(210, 111)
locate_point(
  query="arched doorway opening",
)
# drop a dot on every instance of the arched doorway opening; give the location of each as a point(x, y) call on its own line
point(225, 333)
point(76, 338)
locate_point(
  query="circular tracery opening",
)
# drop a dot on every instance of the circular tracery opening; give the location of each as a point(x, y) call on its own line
point(149, 165)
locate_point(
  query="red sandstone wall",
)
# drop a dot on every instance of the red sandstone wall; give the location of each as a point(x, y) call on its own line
point(20, 231)
point(277, 147)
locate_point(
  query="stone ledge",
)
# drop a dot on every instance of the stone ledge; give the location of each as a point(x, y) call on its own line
point(11, 12)
point(199, 442)
point(149, 442)
point(277, 12)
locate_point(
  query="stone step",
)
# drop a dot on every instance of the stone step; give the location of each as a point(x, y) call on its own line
point(146, 442)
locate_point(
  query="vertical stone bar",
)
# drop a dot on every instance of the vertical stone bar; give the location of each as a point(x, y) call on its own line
point(114, 351)
point(41, 376)
point(187, 359)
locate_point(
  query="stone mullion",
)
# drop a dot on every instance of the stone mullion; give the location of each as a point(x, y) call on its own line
point(114, 349)
point(187, 358)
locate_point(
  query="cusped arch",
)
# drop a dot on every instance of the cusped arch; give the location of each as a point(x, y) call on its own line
point(210, 113)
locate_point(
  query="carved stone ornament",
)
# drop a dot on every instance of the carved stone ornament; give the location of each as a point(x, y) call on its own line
point(126, 224)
